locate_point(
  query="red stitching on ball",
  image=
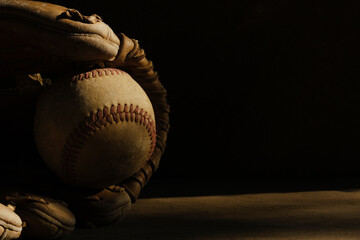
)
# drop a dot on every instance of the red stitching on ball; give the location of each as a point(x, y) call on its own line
point(98, 73)
point(97, 120)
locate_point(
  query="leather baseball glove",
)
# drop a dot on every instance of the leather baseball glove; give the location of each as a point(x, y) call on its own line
point(45, 218)
point(39, 41)
point(10, 223)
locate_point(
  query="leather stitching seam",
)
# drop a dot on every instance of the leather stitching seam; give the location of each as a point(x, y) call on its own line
point(117, 114)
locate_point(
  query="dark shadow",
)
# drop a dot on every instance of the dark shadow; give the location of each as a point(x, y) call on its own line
point(182, 187)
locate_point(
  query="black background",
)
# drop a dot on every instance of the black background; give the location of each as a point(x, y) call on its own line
point(265, 89)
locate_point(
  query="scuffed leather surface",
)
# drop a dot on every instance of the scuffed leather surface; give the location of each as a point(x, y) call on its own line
point(45, 218)
point(10, 223)
point(113, 151)
point(38, 35)
point(95, 208)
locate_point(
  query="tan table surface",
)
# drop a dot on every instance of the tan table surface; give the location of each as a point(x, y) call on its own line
point(301, 215)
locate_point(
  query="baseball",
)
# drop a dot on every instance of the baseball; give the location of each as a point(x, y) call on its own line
point(94, 129)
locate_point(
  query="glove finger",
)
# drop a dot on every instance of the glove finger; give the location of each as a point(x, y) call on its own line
point(32, 32)
point(45, 217)
point(10, 223)
point(98, 208)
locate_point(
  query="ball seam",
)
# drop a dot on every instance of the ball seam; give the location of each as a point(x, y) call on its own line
point(102, 118)
point(119, 113)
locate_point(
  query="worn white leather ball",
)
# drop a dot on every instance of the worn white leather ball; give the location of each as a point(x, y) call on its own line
point(96, 128)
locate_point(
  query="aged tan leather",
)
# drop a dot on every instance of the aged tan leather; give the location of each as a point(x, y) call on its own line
point(39, 36)
point(94, 208)
point(10, 223)
point(100, 133)
point(45, 218)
